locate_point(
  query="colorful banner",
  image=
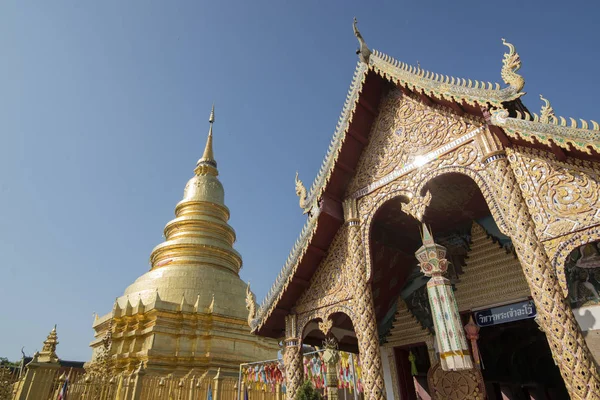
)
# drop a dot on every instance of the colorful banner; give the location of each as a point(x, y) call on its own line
point(348, 367)
point(270, 373)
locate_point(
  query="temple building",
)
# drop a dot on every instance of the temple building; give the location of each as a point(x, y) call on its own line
point(190, 311)
point(451, 242)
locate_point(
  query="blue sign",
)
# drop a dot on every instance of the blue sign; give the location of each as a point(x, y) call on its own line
point(503, 314)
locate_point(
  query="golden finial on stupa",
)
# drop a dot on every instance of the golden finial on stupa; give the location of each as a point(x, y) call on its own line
point(48, 353)
point(207, 164)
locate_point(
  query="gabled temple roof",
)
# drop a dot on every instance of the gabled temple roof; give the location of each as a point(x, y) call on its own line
point(373, 73)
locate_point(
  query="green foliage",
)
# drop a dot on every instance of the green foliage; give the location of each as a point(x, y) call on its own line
point(5, 363)
point(308, 392)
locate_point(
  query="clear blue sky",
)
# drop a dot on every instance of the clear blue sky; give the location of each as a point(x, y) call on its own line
point(104, 108)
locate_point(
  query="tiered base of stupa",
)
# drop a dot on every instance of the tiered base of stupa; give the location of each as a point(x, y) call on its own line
point(176, 338)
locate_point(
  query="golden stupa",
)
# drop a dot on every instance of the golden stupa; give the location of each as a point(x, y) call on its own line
point(191, 309)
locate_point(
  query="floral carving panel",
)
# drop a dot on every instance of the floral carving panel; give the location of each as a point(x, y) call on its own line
point(330, 283)
point(404, 128)
point(562, 197)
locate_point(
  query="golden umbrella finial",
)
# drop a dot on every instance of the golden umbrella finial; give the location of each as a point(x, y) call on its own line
point(207, 163)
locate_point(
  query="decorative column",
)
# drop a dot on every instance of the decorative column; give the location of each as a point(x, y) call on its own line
point(366, 324)
point(453, 347)
point(331, 358)
point(292, 357)
point(472, 332)
point(554, 314)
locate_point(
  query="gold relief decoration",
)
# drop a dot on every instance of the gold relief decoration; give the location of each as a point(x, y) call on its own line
point(350, 211)
point(455, 385)
point(292, 356)
point(291, 326)
point(404, 130)
point(564, 336)
point(416, 206)
point(329, 284)
point(562, 196)
point(325, 326)
point(294, 373)
point(323, 316)
point(365, 326)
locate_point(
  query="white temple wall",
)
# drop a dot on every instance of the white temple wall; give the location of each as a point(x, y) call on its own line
point(588, 318)
point(387, 374)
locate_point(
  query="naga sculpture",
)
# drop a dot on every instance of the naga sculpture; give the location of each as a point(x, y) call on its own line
point(510, 65)
point(250, 304)
point(301, 193)
point(363, 51)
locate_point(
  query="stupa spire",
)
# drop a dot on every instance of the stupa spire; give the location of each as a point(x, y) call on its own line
point(48, 353)
point(207, 164)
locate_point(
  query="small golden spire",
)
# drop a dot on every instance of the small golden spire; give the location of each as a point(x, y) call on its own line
point(207, 164)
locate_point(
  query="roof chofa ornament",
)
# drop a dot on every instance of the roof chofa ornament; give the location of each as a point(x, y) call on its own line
point(510, 65)
point(547, 112)
point(363, 51)
point(301, 193)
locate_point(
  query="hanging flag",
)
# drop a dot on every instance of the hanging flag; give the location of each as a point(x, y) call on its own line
point(209, 394)
point(62, 395)
point(246, 393)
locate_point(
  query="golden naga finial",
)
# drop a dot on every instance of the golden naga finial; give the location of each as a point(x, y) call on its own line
point(363, 50)
point(250, 304)
point(546, 112)
point(301, 193)
point(510, 65)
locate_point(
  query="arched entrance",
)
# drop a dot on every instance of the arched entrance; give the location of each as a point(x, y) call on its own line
point(334, 329)
point(485, 275)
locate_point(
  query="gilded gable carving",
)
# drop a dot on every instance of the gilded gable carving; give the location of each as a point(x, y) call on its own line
point(562, 197)
point(329, 284)
point(405, 127)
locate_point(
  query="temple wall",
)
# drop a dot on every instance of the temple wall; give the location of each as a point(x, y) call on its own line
point(588, 318)
point(389, 379)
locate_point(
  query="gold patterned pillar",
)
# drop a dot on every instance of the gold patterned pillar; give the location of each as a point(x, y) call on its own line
point(366, 323)
point(292, 357)
point(554, 314)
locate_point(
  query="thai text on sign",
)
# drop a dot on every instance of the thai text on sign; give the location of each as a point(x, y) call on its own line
point(504, 314)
